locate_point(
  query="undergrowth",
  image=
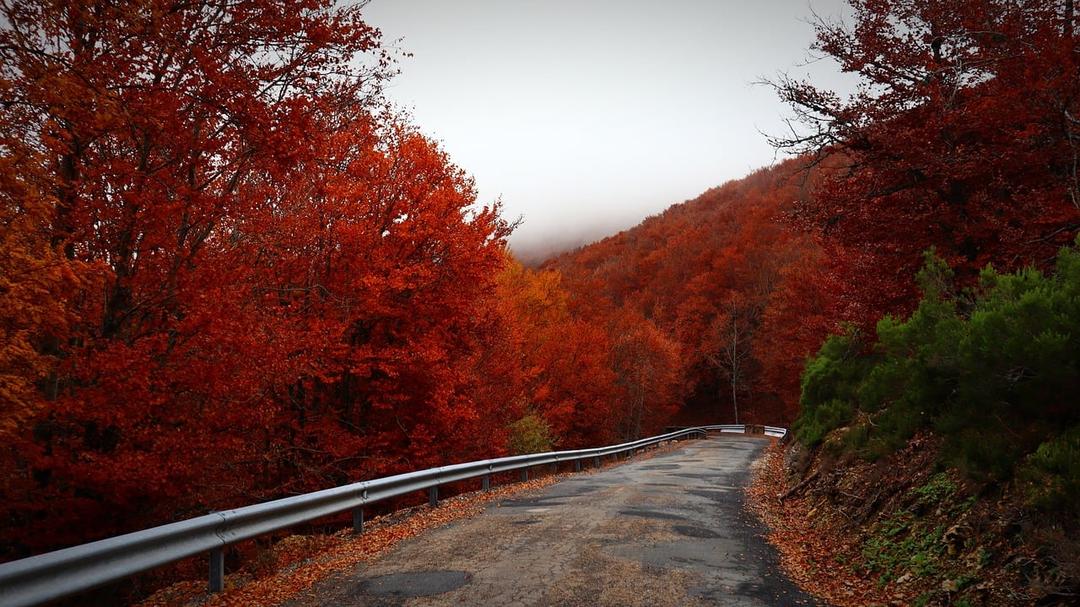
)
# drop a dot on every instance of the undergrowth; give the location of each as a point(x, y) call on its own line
point(905, 543)
point(993, 369)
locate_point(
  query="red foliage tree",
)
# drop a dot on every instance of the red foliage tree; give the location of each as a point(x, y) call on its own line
point(963, 136)
point(563, 373)
point(648, 372)
point(246, 280)
point(710, 275)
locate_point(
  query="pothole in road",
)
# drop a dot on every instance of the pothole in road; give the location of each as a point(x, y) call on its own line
point(664, 516)
point(527, 521)
point(538, 502)
point(711, 494)
point(691, 531)
point(414, 583)
point(662, 467)
point(575, 490)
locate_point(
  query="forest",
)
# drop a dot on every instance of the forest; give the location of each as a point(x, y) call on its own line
point(230, 271)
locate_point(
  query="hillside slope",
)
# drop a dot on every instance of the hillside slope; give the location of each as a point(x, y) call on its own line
point(732, 279)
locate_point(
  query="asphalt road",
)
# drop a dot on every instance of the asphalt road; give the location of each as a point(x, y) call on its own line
point(664, 530)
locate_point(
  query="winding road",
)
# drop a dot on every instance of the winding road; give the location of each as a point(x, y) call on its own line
point(664, 530)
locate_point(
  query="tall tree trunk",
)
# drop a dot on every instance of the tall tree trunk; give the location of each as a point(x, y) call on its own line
point(1069, 18)
point(734, 399)
point(735, 364)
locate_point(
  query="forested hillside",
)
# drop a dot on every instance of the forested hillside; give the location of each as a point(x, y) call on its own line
point(733, 278)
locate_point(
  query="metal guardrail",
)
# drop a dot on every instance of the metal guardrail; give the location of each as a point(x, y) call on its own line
point(61, 573)
point(776, 432)
point(773, 431)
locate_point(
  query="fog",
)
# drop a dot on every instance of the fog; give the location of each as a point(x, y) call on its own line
point(586, 117)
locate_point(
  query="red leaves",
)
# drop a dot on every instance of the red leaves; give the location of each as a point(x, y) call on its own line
point(299, 562)
point(962, 141)
point(727, 288)
point(278, 280)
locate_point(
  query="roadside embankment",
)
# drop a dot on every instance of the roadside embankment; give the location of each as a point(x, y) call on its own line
point(904, 530)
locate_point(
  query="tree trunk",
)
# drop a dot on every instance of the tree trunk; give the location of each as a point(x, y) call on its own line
point(735, 365)
point(1069, 17)
point(734, 399)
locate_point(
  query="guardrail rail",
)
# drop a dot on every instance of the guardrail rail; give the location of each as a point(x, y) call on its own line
point(42, 578)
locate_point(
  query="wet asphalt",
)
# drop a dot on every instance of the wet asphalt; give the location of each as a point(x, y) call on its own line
point(671, 529)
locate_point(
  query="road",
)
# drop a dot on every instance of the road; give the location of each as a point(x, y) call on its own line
point(663, 530)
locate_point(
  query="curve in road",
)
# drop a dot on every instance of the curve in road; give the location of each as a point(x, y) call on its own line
point(665, 530)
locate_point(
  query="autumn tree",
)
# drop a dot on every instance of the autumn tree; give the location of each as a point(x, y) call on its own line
point(805, 306)
point(239, 273)
point(563, 362)
point(962, 135)
point(727, 344)
point(36, 283)
point(647, 365)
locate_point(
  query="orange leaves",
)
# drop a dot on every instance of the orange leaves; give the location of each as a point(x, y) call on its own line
point(541, 359)
point(808, 554)
point(289, 277)
point(36, 281)
point(724, 280)
point(299, 562)
point(648, 369)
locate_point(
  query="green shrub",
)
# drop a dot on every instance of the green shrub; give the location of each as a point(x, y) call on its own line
point(1053, 473)
point(825, 418)
point(993, 369)
point(829, 383)
point(530, 434)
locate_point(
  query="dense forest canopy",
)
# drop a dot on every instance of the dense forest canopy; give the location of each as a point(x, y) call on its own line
point(231, 271)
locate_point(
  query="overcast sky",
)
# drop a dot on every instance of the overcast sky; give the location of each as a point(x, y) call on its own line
point(585, 116)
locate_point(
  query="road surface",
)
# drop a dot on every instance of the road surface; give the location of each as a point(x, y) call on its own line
point(664, 530)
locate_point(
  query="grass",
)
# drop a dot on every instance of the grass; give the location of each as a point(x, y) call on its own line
point(901, 543)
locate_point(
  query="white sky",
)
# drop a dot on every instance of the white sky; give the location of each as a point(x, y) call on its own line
point(587, 116)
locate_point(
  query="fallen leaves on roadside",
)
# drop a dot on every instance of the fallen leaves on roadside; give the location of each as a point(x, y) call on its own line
point(301, 561)
point(807, 554)
point(333, 553)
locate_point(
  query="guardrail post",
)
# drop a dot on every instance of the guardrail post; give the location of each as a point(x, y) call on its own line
point(433, 496)
point(577, 465)
point(596, 461)
point(217, 570)
point(358, 520)
point(524, 474)
point(486, 486)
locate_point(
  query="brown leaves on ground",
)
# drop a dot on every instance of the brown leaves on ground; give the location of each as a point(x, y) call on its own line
point(986, 552)
point(807, 551)
point(298, 562)
point(303, 561)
